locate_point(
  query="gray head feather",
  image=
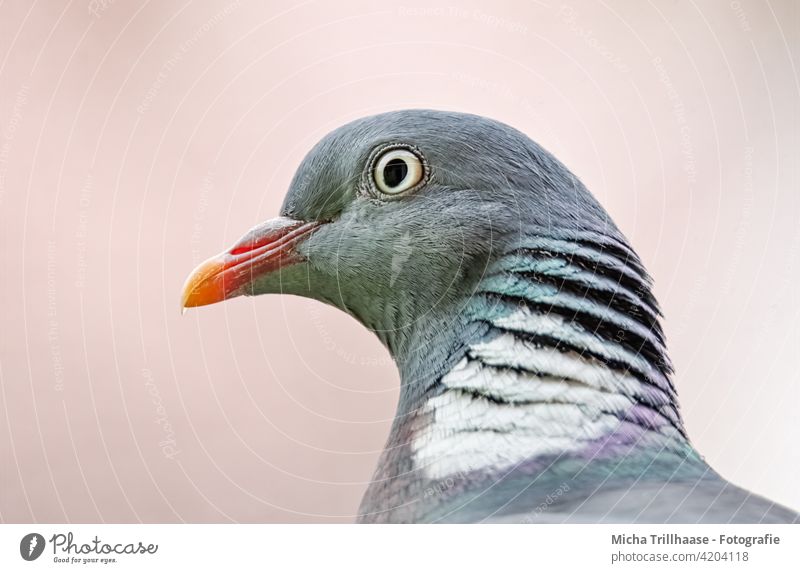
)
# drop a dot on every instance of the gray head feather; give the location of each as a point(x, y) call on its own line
point(489, 184)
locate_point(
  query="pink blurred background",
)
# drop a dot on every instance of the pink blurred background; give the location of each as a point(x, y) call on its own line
point(136, 139)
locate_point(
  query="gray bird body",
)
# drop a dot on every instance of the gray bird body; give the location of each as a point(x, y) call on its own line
point(536, 385)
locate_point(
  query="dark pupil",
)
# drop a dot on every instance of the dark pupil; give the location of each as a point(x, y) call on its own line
point(394, 172)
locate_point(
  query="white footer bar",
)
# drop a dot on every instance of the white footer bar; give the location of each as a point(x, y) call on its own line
point(421, 548)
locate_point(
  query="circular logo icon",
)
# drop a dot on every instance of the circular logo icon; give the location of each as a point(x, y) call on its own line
point(31, 546)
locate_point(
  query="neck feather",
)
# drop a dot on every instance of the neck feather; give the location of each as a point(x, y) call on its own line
point(557, 353)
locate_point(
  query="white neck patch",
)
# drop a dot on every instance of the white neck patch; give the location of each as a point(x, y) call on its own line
point(490, 417)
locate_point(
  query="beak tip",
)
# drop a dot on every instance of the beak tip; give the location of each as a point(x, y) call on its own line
point(203, 285)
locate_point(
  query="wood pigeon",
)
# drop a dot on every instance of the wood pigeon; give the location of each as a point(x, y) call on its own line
point(536, 385)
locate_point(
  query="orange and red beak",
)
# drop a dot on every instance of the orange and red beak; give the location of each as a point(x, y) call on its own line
point(262, 250)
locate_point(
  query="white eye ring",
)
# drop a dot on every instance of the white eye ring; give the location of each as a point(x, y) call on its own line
point(398, 170)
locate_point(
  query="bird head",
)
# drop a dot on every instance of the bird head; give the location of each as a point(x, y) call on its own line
point(394, 218)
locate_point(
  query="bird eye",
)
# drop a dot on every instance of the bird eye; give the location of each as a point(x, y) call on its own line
point(398, 170)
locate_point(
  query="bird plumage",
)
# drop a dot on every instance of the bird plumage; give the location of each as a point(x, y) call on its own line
point(536, 384)
point(558, 413)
